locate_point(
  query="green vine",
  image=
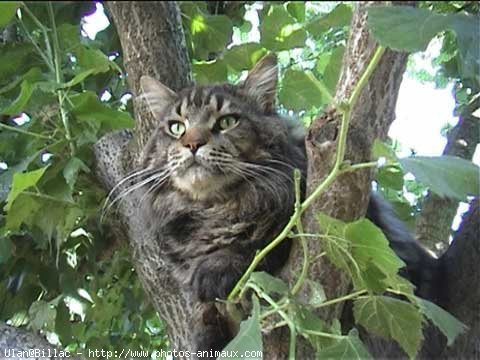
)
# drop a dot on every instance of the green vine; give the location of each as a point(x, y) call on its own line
point(59, 78)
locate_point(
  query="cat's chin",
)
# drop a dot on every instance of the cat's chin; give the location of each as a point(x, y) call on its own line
point(202, 184)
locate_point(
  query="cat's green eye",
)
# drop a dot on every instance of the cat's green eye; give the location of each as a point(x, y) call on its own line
point(176, 128)
point(227, 122)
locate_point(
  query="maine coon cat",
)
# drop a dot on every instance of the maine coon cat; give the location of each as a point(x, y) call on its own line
point(221, 163)
point(218, 181)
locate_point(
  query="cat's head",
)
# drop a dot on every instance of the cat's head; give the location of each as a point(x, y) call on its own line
point(209, 138)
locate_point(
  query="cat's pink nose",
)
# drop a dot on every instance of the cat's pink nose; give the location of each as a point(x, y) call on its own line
point(194, 138)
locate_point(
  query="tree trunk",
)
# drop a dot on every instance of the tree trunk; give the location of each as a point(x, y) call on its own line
point(434, 224)
point(153, 43)
point(461, 297)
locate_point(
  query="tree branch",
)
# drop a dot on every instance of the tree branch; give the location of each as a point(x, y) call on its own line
point(15, 342)
point(153, 43)
point(461, 284)
point(433, 227)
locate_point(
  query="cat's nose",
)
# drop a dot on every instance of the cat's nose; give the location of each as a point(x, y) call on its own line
point(194, 146)
point(195, 138)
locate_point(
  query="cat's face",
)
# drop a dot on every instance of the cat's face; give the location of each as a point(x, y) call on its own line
point(210, 138)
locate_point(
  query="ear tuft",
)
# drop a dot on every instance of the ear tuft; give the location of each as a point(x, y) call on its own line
point(157, 95)
point(261, 82)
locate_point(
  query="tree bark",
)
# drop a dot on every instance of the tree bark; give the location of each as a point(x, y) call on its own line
point(434, 224)
point(461, 297)
point(153, 43)
point(14, 342)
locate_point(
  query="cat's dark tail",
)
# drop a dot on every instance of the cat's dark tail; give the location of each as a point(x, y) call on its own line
point(422, 268)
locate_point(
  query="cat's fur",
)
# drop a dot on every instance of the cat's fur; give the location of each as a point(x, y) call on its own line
point(214, 197)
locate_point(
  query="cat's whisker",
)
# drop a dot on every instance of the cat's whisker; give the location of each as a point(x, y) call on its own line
point(244, 176)
point(156, 184)
point(259, 169)
point(134, 187)
point(283, 163)
point(125, 179)
point(267, 183)
point(269, 169)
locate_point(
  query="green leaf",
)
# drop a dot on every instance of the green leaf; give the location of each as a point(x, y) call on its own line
point(62, 324)
point(6, 247)
point(338, 17)
point(348, 348)
point(447, 176)
point(249, 337)
point(332, 70)
point(88, 108)
point(92, 59)
point(22, 211)
point(335, 245)
point(65, 227)
point(380, 149)
point(209, 33)
point(69, 36)
point(77, 79)
point(269, 283)
point(280, 31)
point(306, 320)
point(370, 244)
point(6, 177)
point(22, 53)
point(370, 249)
point(21, 101)
point(405, 27)
point(447, 323)
point(297, 10)
point(300, 91)
point(7, 11)
point(42, 314)
point(210, 72)
point(331, 225)
point(72, 168)
point(411, 29)
point(21, 182)
point(390, 177)
point(391, 318)
point(244, 56)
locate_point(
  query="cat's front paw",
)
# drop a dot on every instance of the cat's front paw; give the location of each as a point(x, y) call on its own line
point(215, 278)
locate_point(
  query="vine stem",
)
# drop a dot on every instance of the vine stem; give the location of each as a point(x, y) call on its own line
point(341, 299)
point(45, 196)
point(25, 132)
point(303, 275)
point(290, 324)
point(59, 79)
point(43, 28)
point(346, 109)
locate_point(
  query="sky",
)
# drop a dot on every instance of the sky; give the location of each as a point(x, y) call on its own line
point(421, 112)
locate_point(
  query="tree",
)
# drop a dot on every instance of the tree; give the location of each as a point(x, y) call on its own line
point(155, 44)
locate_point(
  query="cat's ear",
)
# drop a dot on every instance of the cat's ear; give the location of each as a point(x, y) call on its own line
point(157, 95)
point(261, 82)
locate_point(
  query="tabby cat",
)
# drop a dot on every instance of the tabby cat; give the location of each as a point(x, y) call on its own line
point(220, 183)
